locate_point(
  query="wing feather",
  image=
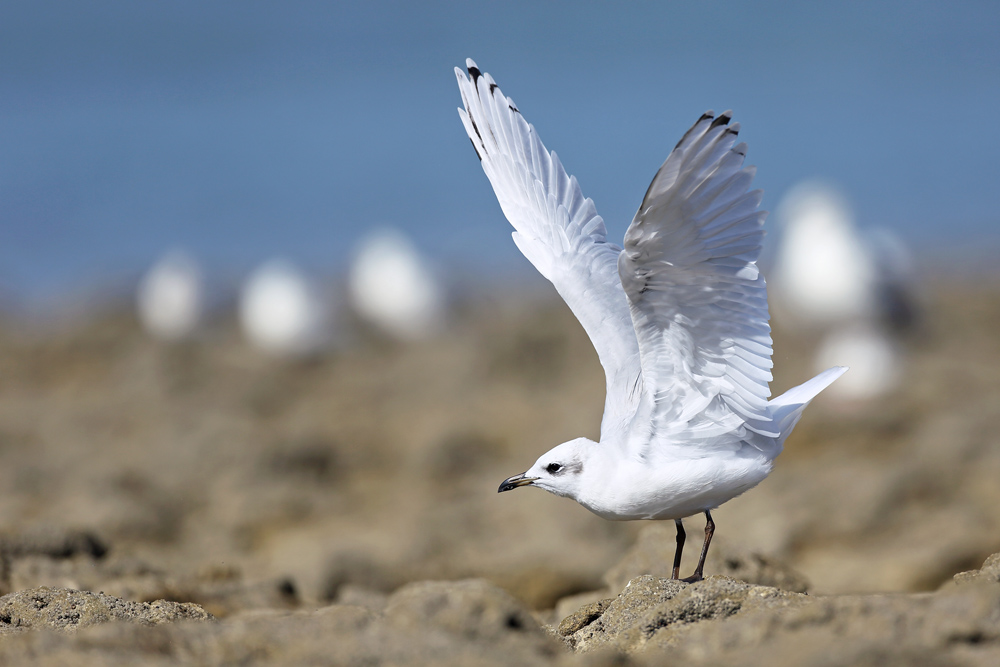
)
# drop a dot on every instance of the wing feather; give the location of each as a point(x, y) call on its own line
point(559, 231)
point(698, 301)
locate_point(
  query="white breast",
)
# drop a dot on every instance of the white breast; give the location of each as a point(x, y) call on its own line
point(636, 490)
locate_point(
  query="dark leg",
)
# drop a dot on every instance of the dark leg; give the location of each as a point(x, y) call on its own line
point(680, 547)
point(709, 531)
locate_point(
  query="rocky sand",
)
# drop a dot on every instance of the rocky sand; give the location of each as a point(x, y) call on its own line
point(203, 503)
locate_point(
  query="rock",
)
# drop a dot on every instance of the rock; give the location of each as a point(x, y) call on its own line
point(358, 596)
point(220, 593)
point(47, 543)
point(653, 554)
point(989, 572)
point(755, 568)
point(653, 621)
point(654, 606)
point(715, 598)
point(338, 635)
point(573, 603)
point(332, 635)
point(228, 597)
point(639, 595)
point(958, 626)
point(724, 621)
point(583, 617)
point(121, 577)
point(66, 609)
point(439, 623)
point(471, 608)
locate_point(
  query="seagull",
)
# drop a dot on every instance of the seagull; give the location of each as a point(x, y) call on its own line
point(282, 312)
point(678, 317)
point(858, 288)
point(392, 286)
point(171, 297)
point(877, 362)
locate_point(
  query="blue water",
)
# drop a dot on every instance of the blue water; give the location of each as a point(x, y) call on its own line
point(241, 130)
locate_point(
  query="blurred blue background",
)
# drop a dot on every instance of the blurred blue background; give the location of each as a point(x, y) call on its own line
point(240, 130)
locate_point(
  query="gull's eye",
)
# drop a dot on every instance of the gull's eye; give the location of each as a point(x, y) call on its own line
point(553, 468)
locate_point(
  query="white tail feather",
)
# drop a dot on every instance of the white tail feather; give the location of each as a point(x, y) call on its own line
point(787, 408)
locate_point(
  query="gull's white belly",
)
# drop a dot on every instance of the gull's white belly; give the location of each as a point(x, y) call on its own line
point(676, 489)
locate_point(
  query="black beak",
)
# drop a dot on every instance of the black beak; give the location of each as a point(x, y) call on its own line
point(515, 481)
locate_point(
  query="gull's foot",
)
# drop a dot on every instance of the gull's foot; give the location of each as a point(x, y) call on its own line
point(693, 578)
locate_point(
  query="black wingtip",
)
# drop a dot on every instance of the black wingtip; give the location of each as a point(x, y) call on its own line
point(723, 119)
point(708, 115)
point(474, 73)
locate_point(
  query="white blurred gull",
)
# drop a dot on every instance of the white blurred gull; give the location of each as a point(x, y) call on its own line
point(855, 288)
point(392, 286)
point(827, 273)
point(678, 318)
point(823, 272)
point(171, 297)
point(875, 359)
point(282, 312)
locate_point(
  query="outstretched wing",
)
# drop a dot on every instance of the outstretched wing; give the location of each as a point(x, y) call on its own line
point(697, 298)
point(559, 231)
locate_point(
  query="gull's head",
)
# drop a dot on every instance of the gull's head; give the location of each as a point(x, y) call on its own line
point(559, 470)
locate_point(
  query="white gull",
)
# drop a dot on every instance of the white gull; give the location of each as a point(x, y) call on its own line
point(678, 318)
point(393, 287)
point(171, 297)
point(857, 288)
point(283, 312)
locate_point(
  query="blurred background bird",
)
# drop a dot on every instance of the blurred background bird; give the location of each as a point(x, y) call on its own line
point(284, 312)
point(854, 294)
point(171, 297)
point(393, 286)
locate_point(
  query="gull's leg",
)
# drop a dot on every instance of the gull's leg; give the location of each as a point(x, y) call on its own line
point(680, 547)
point(709, 531)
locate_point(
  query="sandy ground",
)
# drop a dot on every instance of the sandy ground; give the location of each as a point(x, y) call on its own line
point(210, 473)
